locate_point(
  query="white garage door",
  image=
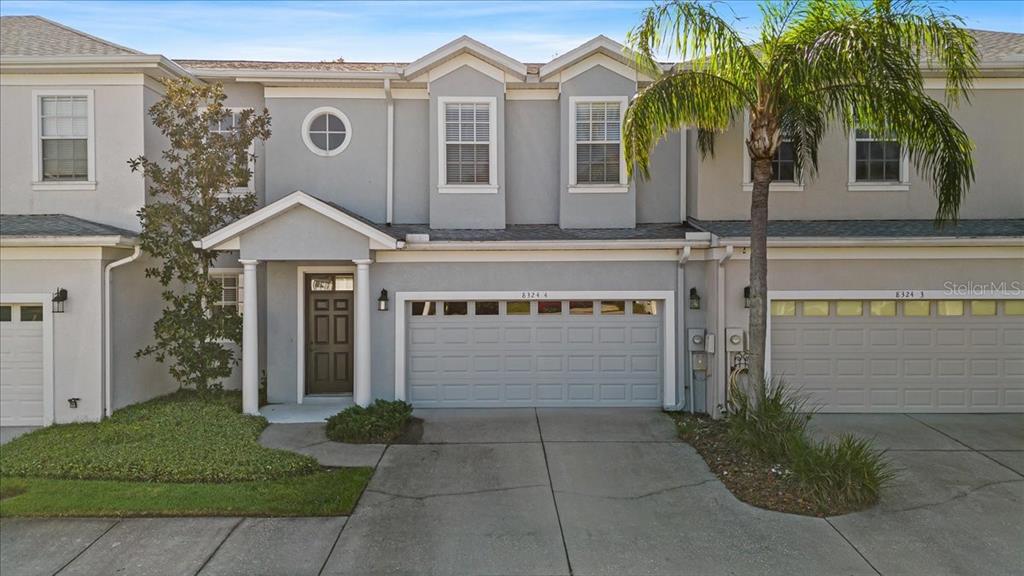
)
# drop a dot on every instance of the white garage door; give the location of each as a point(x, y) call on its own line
point(21, 365)
point(908, 356)
point(541, 353)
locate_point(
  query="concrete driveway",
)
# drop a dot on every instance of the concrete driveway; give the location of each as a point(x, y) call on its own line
point(587, 492)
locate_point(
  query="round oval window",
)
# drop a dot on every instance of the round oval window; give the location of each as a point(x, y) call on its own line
point(326, 131)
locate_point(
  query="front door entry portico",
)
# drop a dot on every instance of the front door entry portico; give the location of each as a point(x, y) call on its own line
point(329, 336)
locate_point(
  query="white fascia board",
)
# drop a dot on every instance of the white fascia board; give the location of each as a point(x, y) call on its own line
point(882, 241)
point(270, 76)
point(70, 241)
point(556, 245)
point(215, 240)
point(598, 44)
point(150, 64)
point(465, 44)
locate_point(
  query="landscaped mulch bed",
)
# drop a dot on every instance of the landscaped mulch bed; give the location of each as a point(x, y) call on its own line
point(752, 480)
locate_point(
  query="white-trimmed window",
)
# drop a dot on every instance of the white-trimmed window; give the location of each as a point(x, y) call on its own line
point(467, 150)
point(596, 159)
point(63, 140)
point(326, 131)
point(227, 126)
point(877, 162)
point(784, 174)
point(231, 290)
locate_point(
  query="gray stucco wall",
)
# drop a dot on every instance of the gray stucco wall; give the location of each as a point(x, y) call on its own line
point(992, 120)
point(355, 178)
point(118, 137)
point(135, 306)
point(301, 234)
point(657, 199)
point(412, 172)
point(467, 210)
point(592, 210)
point(532, 160)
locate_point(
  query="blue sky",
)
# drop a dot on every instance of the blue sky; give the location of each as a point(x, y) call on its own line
point(389, 31)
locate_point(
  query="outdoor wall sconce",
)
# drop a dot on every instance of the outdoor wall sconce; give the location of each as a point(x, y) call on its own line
point(73, 402)
point(694, 299)
point(382, 302)
point(59, 297)
point(746, 297)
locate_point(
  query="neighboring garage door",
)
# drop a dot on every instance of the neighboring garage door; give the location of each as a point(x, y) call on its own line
point(906, 356)
point(540, 353)
point(21, 365)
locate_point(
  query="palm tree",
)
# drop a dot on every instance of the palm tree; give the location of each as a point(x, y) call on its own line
point(818, 64)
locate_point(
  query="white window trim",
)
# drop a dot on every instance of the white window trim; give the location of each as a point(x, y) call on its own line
point(309, 120)
point(44, 300)
point(442, 166)
point(748, 179)
point(668, 297)
point(251, 188)
point(38, 184)
point(871, 186)
point(574, 187)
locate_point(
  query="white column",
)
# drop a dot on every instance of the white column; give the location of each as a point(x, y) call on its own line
point(250, 341)
point(361, 386)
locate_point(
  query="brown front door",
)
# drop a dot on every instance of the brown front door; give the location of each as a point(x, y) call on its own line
point(328, 337)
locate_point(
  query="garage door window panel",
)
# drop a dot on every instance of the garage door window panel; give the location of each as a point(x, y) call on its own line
point(549, 307)
point(613, 307)
point(517, 308)
point(950, 307)
point(581, 307)
point(1013, 308)
point(815, 308)
point(424, 308)
point(489, 308)
point(917, 308)
point(5, 313)
point(31, 314)
point(783, 308)
point(645, 308)
point(456, 308)
point(883, 308)
point(983, 307)
point(849, 308)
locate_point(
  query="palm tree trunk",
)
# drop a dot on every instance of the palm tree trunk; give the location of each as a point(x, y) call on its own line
point(762, 178)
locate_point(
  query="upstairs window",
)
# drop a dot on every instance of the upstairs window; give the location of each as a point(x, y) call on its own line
point(877, 162)
point(597, 143)
point(226, 127)
point(784, 175)
point(467, 146)
point(783, 164)
point(326, 131)
point(878, 158)
point(64, 138)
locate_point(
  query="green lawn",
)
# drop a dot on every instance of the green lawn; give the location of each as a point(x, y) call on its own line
point(175, 438)
point(179, 455)
point(326, 493)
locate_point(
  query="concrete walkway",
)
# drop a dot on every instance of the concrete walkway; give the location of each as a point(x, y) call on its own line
point(585, 492)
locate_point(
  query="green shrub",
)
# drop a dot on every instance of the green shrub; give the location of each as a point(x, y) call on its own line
point(846, 474)
point(766, 419)
point(769, 421)
point(182, 437)
point(378, 423)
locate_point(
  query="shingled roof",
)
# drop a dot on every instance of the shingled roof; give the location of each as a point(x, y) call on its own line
point(869, 228)
point(999, 46)
point(55, 225)
point(37, 36)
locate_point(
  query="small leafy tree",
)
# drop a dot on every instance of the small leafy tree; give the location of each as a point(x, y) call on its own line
point(817, 64)
point(190, 189)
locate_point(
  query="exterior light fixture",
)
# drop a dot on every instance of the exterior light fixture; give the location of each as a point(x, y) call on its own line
point(694, 299)
point(746, 297)
point(73, 402)
point(59, 297)
point(382, 302)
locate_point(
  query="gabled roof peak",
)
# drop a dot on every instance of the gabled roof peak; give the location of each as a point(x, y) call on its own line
point(461, 45)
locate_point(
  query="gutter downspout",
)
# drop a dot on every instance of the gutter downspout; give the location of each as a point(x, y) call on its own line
point(390, 208)
point(108, 359)
point(681, 298)
point(720, 328)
